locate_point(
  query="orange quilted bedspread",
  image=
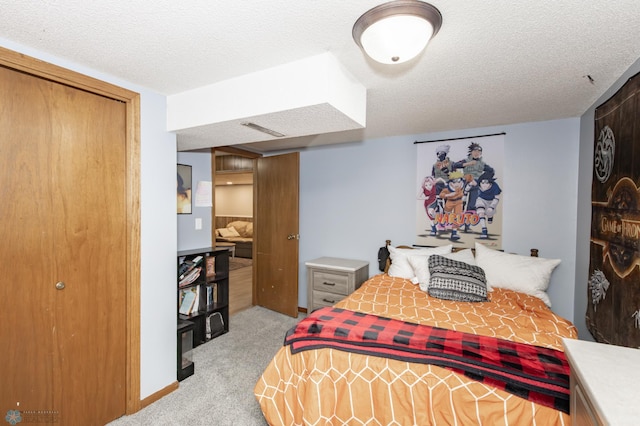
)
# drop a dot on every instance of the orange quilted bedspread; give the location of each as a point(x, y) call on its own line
point(331, 387)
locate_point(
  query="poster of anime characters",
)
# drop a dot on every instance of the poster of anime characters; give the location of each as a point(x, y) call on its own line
point(613, 308)
point(460, 191)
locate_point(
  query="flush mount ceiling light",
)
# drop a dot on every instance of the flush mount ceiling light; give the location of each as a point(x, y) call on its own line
point(397, 31)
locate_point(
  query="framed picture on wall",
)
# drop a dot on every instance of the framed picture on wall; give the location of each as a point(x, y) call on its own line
point(184, 189)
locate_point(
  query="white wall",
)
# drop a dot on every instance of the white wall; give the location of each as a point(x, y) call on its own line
point(583, 210)
point(188, 236)
point(355, 196)
point(234, 200)
point(158, 248)
point(158, 233)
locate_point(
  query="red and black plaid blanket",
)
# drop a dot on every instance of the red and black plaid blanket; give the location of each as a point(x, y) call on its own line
point(535, 373)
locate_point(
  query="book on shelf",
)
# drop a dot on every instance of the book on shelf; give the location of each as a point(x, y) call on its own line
point(196, 303)
point(187, 302)
point(190, 277)
point(212, 294)
point(182, 267)
point(211, 266)
point(187, 266)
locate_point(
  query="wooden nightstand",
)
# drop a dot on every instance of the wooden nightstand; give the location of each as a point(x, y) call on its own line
point(604, 383)
point(331, 279)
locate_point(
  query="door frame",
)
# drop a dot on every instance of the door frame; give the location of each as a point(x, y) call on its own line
point(29, 65)
point(241, 153)
point(256, 157)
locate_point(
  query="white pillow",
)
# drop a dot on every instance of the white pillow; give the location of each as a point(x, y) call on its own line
point(465, 256)
point(525, 274)
point(420, 265)
point(400, 266)
point(229, 232)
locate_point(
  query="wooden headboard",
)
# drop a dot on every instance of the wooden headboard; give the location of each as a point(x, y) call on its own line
point(223, 221)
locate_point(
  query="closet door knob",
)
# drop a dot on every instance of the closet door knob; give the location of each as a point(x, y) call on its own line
point(59, 285)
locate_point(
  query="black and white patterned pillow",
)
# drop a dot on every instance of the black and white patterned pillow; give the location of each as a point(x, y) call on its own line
point(454, 280)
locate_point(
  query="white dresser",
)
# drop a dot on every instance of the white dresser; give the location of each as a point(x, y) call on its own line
point(331, 279)
point(605, 383)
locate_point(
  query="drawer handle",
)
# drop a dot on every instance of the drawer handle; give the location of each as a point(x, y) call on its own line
point(329, 301)
point(327, 283)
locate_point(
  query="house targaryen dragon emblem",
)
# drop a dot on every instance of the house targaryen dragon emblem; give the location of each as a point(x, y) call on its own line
point(604, 155)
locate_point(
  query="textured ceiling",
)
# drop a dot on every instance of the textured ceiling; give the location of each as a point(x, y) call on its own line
point(493, 62)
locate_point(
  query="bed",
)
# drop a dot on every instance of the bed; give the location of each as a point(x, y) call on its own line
point(326, 384)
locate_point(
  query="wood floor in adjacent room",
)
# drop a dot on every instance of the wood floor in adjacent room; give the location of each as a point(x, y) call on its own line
point(240, 289)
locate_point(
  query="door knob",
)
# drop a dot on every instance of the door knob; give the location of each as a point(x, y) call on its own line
point(59, 285)
point(293, 237)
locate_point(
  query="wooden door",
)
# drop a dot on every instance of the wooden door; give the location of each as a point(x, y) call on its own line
point(276, 181)
point(63, 258)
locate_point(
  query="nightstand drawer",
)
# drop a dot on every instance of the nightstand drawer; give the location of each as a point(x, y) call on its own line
point(322, 298)
point(332, 282)
point(331, 279)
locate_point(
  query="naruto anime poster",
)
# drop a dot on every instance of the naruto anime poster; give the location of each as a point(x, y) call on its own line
point(613, 308)
point(460, 192)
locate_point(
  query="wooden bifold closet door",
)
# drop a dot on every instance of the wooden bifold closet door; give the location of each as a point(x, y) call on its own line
point(63, 252)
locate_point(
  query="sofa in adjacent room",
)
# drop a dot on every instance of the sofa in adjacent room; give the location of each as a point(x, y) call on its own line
point(236, 230)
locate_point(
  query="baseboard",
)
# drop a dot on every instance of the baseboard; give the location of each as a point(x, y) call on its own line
point(159, 394)
point(302, 310)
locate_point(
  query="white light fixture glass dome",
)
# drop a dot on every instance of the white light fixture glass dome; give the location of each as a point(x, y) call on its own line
point(397, 31)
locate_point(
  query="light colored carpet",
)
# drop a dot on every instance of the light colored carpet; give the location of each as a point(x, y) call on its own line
point(226, 369)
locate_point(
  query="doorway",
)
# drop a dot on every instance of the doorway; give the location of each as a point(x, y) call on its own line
point(234, 218)
point(275, 231)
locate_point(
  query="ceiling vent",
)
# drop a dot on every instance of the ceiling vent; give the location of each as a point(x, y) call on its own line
point(259, 128)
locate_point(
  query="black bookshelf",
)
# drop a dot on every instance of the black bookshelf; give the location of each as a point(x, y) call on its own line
point(210, 316)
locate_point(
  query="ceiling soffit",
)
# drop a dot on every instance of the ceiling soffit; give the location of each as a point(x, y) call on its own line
point(307, 97)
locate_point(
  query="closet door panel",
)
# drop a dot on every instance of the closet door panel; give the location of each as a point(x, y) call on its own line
point(66, 259)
